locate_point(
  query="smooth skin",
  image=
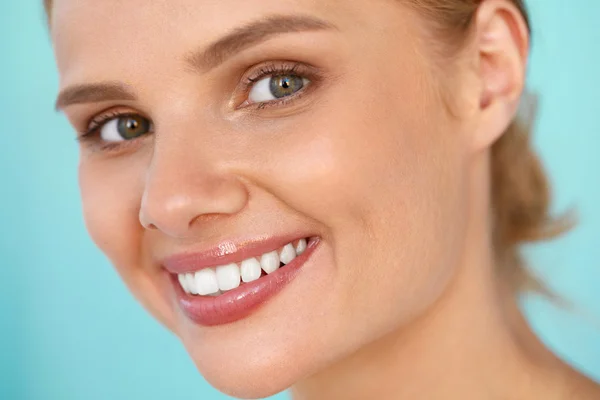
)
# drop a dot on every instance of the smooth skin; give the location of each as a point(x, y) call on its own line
point(384, 154)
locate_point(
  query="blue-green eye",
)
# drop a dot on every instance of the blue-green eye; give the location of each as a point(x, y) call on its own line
point(276, 87)
point(125, 127)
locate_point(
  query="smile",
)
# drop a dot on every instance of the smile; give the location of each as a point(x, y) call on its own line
point(215, 281)
point(240, 279)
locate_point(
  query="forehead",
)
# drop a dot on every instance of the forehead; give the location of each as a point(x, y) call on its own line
point(147, 24)
point(94, 39)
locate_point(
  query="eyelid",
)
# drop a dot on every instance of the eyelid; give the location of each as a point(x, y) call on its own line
point(90, 133)
point(274, 68)
point(95, 123)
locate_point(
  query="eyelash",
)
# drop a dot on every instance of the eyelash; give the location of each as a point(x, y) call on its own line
point(94, 125)
point(91, 134)
point(275, 69)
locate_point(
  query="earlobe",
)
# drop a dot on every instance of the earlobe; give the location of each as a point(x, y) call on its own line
point(502, 41)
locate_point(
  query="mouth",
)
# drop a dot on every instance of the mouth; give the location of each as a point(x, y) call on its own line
point(230, 282)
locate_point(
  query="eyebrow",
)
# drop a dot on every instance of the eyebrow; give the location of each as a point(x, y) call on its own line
point(250, 35)
point(94, 92)
point(201, 60)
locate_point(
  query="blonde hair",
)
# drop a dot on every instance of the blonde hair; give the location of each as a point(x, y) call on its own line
point(520, 188)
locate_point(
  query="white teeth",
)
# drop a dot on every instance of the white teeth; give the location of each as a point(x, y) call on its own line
point(250, 270)
point(206, 282)
point(301, 246)
point(270, 262)
point(287, 254)
point(228, 276)
point(183, 283)
point(215, 281)
point(191, 283)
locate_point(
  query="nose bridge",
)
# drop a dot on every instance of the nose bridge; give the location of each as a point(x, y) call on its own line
point(185, 182)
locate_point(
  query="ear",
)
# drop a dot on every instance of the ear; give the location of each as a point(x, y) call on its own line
point(502, 43)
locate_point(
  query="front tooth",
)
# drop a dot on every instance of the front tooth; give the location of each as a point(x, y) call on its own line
point(288, 253)
point(301, 246)
point(250, 270)
point(228, 276)
point(270, 262)
point(183, 283)
point(190, 283)
point(205, 281)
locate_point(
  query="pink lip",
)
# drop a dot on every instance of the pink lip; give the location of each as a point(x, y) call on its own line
point(225, 253)
point(242, 301)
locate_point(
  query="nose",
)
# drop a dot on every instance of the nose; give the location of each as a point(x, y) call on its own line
point(181, 188)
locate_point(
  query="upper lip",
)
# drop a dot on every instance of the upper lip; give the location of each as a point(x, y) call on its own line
point(226, 252)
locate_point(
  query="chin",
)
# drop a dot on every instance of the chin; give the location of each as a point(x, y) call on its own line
point(250, 376)
point(258, 339)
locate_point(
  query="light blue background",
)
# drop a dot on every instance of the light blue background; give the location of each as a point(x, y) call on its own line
point(71, 331)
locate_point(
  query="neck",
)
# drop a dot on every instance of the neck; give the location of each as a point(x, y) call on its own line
point(472, 344)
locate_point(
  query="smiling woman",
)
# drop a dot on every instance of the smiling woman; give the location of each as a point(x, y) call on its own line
point(323, 196)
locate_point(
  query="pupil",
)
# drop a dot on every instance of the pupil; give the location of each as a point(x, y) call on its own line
point(285, 85)
point(132, 124)
point(132, 127)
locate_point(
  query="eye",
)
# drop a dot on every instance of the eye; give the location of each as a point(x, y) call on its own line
point(125, 127)
point(276, 87)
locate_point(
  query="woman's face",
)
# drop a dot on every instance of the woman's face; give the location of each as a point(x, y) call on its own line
point(324, 121)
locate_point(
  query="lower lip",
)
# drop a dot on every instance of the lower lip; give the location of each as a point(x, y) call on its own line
point(242, 301)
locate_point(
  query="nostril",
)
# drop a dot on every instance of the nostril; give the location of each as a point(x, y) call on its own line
point(146, 224)
point(175, 202)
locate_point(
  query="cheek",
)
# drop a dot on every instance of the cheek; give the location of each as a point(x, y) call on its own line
point(387, 179)
point(111, 192)
point(110, 206)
